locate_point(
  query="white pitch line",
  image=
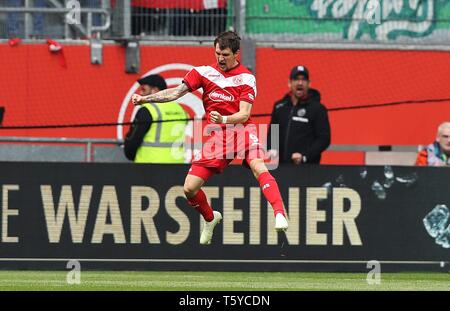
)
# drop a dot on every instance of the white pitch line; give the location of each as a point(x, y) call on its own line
point(224, 260)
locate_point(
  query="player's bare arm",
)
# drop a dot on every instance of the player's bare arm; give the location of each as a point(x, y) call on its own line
point(163, 96)
point(239, 117)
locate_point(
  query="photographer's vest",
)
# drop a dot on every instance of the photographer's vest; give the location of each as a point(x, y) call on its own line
point(164, 141)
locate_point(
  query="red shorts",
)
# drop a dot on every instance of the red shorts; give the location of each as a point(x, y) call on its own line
point(225, 144)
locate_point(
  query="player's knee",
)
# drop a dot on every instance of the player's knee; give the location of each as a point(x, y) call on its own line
point(189, 190)
point(258, 167)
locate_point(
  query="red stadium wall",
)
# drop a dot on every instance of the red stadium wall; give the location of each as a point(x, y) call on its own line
point(41, 88)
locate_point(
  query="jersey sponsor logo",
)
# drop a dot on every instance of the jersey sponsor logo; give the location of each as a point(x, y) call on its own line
point(211, 75)
point(221, 96)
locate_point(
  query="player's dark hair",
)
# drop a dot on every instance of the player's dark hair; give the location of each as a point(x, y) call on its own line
point(228, 39)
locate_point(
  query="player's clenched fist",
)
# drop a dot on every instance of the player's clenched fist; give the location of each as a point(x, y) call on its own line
point(215, 117)
point(137, 99)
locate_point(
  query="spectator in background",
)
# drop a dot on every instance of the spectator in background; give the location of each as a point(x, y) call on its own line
point(162, 142)
point(437, 153)
point(303, 120)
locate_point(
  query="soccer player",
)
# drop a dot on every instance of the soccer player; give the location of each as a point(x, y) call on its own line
point(229, 90)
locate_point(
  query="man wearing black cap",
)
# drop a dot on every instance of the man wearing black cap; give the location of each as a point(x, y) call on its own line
point(303, 120)
point(160, 142)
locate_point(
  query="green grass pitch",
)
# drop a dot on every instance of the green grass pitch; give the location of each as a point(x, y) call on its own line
point(220, 281)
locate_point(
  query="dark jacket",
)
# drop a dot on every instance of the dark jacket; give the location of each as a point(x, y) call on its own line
point(304, 128)
point(135, 136)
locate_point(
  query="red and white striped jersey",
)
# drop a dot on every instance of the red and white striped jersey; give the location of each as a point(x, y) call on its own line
point(222, 91)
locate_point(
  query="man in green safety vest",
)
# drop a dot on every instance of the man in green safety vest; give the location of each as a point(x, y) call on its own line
point(151, 138)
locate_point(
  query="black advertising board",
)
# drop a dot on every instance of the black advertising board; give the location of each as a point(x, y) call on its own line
point(127, 216)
